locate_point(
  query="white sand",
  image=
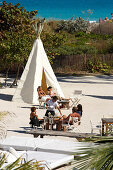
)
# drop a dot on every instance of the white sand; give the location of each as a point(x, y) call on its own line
point(97, 103)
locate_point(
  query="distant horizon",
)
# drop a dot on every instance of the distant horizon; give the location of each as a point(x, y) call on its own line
point(65, 9)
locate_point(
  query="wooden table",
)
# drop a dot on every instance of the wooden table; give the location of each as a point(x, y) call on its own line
point(57, 121)
point(105, 123)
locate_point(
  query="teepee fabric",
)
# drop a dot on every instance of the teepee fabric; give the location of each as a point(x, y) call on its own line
point(37, 71)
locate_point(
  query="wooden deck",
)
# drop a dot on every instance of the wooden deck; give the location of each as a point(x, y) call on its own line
point(37, 132)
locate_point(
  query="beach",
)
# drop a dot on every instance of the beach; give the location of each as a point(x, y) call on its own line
point(96, 101)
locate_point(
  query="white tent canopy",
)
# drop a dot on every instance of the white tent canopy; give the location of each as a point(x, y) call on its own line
point(38, 72)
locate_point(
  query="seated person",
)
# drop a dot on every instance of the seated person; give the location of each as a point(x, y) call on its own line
point(52, 105)
point(34, 118)
point(50, 92)
point(42, 95)
point(79, 109)
point(73, 114)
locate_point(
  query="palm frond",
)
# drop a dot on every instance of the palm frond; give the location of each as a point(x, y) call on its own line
point(14, 164)
point(98, 157)
point(32, 164)
point(99, 139)
point(2, 159)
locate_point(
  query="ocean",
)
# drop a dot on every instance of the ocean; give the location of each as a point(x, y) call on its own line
point(66, 9)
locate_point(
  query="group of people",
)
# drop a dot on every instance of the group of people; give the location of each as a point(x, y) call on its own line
point(52, 104)
point(42, 95)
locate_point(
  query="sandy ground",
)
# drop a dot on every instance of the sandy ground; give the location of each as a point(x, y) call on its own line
point(97, 102)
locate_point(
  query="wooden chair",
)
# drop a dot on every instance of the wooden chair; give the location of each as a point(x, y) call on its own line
point(48, 122)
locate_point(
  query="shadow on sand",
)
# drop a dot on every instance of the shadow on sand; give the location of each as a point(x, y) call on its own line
point(6, 97)
point(101, 97)
point(18, 131)
point(24, 107)
point(29, 107)
point(83, 79)
point(26, 128)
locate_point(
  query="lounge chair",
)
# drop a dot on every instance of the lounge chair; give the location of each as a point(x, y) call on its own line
point(95, 126)
point(41, 101)
point(76, 97)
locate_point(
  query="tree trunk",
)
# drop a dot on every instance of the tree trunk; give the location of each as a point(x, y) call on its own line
point(85, 59)
point(6, 76)
point(16, 79)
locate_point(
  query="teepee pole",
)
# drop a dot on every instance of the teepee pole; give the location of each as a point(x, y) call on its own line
point(38, 27)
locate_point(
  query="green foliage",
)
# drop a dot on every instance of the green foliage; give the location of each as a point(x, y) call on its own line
point(96, 158)
point(102, 43)
point(109, 48)
point(51, 42)
point(16, 32)
point(59, 38)
point(15, 17)
point(15, 50)
point(97, 66)
point(93, 36)
point(0, 84)
point(17, 165)
point(73, 50)
point(73, 25)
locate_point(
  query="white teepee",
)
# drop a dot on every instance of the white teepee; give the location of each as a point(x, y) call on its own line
point(38, 72)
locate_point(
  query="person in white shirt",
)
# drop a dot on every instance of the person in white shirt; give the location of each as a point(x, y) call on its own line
point(52, 105)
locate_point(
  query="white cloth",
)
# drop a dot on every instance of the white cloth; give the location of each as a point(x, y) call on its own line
point(51, 105)
point(43, 98)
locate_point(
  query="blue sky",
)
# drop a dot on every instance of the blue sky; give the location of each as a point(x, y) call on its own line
point(65, 9)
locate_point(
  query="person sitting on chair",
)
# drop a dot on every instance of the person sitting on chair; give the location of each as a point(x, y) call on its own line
point(50, 92)
point(42, 95)
point(73, 114)
point(34, 120)
point(79, 109)
point(51, 106)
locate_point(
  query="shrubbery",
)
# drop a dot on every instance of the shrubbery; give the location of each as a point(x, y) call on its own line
point(73, 25)
point(16, 34)
point(73, 50)
point(62, 38)
point(97, 66)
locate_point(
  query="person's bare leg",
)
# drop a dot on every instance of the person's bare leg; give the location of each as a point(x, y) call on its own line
point(64, 128)
point(47, 126)
point(59, 127)
point(79, 122)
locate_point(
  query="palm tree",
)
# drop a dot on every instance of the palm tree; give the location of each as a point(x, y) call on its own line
point(99, 157)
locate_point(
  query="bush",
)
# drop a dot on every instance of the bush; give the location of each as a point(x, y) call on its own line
point(97, 66)
point(73, 50)
point(73, 25)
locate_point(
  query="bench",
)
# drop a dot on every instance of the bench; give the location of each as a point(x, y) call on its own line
point(41, 133)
